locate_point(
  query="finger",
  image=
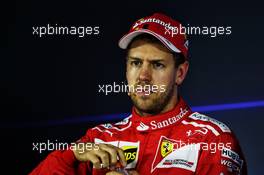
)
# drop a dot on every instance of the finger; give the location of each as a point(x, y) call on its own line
point(113, 173)
point(104, 156)
point(93, 159)
point(121, 156)
point(112, 152)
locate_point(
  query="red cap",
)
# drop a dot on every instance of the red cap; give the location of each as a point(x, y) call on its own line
point(164, 28)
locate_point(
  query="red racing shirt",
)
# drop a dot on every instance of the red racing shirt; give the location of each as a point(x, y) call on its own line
point(176, 142)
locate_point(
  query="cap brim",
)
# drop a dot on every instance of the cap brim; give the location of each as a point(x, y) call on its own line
point(125, 40)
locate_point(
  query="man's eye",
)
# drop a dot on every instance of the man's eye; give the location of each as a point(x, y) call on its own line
point(158, 65)
point(135, 63)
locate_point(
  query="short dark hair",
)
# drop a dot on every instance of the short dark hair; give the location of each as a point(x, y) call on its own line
point(178, 57)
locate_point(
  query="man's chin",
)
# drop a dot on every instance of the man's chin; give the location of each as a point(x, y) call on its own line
point(145, 105)
point(142, 100)
point(143, 96)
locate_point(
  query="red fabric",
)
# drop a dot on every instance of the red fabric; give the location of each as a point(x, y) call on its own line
point(169, 31)
point(176, 142)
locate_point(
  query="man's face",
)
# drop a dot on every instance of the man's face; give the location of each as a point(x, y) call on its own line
point(150, 66)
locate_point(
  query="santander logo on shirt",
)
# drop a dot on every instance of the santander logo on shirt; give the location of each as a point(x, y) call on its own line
point(154, 124)
point(142, 127)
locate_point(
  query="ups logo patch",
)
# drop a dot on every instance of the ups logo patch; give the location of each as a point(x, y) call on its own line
point(130, 153)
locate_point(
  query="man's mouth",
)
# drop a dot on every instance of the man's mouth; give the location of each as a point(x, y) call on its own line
point(144, 93)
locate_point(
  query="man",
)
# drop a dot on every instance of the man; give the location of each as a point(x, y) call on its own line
point(162, 135)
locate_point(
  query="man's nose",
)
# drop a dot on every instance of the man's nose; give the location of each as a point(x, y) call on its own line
point(145, 73)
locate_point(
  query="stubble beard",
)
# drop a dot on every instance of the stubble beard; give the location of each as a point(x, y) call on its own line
point(155, 102)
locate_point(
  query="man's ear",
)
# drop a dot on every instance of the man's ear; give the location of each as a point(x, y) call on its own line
point(181, 72)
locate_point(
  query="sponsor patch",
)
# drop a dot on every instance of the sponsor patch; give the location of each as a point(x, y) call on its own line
point(202, 131)
point(232, 167)
point(170, 155)
point(130, 153)
point(198, 116)
point(142, 127)
point(202, 126)
point(178, 162)
point(170, 121)
point(131, 150)
point(228, 153)
point(166, 148)
point(154, 20)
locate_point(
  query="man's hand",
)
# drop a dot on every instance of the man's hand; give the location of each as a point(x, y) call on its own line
point(100, 155)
